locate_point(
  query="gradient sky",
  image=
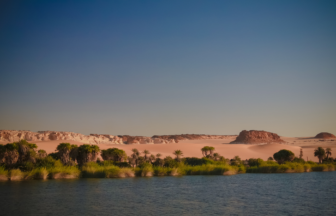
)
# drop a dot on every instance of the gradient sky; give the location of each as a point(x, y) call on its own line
point(168, 67)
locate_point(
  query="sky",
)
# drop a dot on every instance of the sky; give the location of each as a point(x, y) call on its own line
point(168, 67)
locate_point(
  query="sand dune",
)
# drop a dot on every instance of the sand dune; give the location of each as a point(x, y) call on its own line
point(192, 148)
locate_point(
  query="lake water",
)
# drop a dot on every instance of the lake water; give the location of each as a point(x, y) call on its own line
point(245, 194)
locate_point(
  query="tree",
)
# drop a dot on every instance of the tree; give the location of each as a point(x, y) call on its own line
point(132, 161)
point(64, 152)
point(328, 152)
point(87, 153)
point(170, 162)
point(17, 152)
point(158, 155)
point(9, 154)
point(320, 153)
point(236, 161)
point(211, 150)
point(135, 156)
point(283, 155)
point(270, 159)
point(42, 153)
point(301, 153)
point(114, 154)
point(146, 152)
point(26, 151)
point(178, 154)
point(152, 158)
point(207, 151)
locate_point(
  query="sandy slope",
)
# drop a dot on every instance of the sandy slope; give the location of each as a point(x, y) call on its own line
point(191, 148)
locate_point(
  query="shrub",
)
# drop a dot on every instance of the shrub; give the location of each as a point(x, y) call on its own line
point(170, 162)
point(161, 171)
point(283, 156)
point(299, 160)
point(146, 170)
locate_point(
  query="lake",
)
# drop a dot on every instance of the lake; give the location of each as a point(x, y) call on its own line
point(246, 194)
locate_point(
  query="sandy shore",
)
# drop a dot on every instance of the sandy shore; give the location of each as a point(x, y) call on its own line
point(192, 148)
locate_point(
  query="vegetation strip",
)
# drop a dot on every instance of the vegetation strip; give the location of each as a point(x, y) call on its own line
point(20, 161)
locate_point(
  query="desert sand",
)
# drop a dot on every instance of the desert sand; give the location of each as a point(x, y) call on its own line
point(191, 148)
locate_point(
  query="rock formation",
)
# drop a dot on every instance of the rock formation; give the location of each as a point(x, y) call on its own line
point(15, 136)
point(325, 135)
point(256, 137)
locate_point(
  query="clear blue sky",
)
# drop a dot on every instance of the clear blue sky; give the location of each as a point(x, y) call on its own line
point(168, 67)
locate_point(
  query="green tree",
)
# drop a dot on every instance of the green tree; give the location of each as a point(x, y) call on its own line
point(146, 152)
point(87, 153)
point(151, 158)
point(283, 155)
point(178, 154)
point(42, 153)
point(63, 150)
point(320, 153)
point(114, 154)
point(135, 156)
point(10, 154)
point(207, 151)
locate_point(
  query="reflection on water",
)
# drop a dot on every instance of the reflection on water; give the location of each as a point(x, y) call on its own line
point(246, 194)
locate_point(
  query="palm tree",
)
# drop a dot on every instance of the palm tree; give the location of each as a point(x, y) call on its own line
point(135, 155)
point(64, 152)
point(301, 153)
point(146, 152)
point(132, 161)
point(211, 150)
point(87, 153)
point(152, 158)
point(205, 150)
point(328, 152)
point(158, 155)
point(320, 153)
point(178, 153)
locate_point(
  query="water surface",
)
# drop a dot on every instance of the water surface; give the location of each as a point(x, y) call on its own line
point(245, 194)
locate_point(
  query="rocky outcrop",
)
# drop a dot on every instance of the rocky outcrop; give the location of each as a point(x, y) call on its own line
point(15, 136)
point(325, 135)
point(176, 138)
point(257, 137)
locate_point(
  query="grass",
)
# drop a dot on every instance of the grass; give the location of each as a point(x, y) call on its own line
point(64, 172)
point(108, 170)
point(323, 167)
point(3, 174)
point(15, 175)
point(94, 170)
point(291, 167)
point(210, 169)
